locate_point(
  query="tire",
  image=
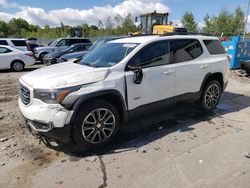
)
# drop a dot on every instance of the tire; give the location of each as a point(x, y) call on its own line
point(210, 96)
point(91, 130)
point(17, 66)
point(41, 57)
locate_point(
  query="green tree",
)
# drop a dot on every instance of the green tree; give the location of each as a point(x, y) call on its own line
point(189, 22)
point(3, 29)
point(128, 25)
point(16, 25)
point(225, 23)
point(238, 22)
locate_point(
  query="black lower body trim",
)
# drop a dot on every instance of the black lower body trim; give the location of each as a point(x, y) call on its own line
point(59, 134)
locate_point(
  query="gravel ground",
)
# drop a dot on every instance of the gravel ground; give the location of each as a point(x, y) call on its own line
point(181, 148)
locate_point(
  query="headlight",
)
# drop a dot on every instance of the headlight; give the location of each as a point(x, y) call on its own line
point(54, 96)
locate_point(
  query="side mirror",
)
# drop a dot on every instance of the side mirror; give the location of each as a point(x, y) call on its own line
point(138, 74)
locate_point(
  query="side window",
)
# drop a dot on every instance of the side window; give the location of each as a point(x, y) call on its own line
point(152, 55)
point(78, 48)
point(63, 42)
point(185, 50)
point(4, 50)
point(3, 42)
point(214, 47)
point(86, 46)
point(85, 41)
point(19, 42)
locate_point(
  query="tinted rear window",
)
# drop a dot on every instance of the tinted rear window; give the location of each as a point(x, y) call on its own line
point(185, 50)
point(214, 47)
point(3, 42)
point(19, 42)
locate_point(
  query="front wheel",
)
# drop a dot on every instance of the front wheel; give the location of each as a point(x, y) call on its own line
point(96, 124)
point(210, 96)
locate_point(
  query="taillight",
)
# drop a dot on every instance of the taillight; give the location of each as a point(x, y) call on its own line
point(29, 54)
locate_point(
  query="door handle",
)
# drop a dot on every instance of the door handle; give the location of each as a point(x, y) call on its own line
point(204, 66)
point(168, 72)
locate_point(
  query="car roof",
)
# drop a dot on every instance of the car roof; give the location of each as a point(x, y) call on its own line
point(148, 38)
point(12, 39)
point(74, 38)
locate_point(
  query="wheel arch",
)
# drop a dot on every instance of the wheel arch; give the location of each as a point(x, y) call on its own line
point(112, 96)
point(212, 76)
point(42, 54)
point(16, 60)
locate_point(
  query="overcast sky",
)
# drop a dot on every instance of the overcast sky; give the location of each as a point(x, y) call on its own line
point(74, 12)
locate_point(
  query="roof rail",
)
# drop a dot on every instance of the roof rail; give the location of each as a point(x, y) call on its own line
point(184, 33)
point(143, 35)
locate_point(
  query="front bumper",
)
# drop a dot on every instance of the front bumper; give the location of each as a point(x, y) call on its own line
point(53, 114)
point(57, 134)
point(36, 55)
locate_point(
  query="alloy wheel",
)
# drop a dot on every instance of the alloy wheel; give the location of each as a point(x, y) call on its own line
point(98, 126)
point(212, 96)
point(18, 66)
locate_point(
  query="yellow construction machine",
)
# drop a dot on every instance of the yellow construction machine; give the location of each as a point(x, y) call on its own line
point(156, 23)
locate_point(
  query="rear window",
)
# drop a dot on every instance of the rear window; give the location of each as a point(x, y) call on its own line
point(3, 42)
point(214, 47)
point(19, 42)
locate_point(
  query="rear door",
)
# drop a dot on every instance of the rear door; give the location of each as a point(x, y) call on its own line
point(158, 77)
point(6, 58)
point(186, 55)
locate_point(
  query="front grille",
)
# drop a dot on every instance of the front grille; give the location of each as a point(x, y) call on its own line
point(24, 94)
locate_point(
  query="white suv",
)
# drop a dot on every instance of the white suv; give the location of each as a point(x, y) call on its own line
point(120, 80)
point(15, 43)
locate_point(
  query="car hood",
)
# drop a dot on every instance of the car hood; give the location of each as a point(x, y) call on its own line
point(63, 75)
point(53, 54)
point(47, 48)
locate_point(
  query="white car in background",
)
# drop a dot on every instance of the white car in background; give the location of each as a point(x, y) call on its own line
point(15, 43)
point(15, 59)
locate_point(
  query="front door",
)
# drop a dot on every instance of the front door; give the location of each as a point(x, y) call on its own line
point(158, 77)
point(5, 58)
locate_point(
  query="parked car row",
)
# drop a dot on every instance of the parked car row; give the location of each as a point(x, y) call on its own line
point(58, 46)
point(14, 52)
point(78, 55)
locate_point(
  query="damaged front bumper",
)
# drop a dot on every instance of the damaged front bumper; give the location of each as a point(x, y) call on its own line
point(48, 120)
point(58, 134)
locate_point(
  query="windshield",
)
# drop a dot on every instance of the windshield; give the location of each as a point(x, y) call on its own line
point(54, 42)
point(68, 49)
point(108, 55)
point(96, 44)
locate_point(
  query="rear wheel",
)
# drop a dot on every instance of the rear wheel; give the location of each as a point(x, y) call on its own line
point(96, 124)
point(211, 95)
point(17, 66)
